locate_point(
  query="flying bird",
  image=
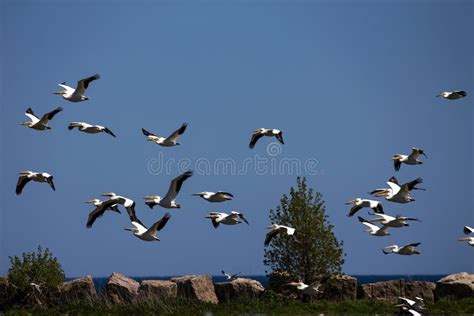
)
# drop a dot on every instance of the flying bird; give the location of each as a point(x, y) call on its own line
point(390, 221)
point(226, 219)
point(218, 196)
point(169, 141)
point(27, 176)
point(230, 277)
point(374, 230)
point(40, 124)
point(100, 210)
point(169, 200)
point(129, 205)
point(276, 229)
point(76, 95)
point(89, 128)
point(397, 193)
point(412, 185)
point(469, 240)
point(311, 290)
point(362, 203)
point(260, 132)
point(149, 234)
point(452, 95)
point(411, 159)
point(406, 250)
point(468, 230)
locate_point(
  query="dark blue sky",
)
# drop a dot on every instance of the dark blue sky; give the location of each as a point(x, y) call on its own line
point(349, 84)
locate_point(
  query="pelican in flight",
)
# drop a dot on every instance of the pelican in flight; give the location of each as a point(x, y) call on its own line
point(129, 205)
point(40, 124)
point(397, 193)
point(218, 196)
point(276, 229)
point(260, 132)
point(411, 159)
point(374, 230)
point(226, 219)
point(90, 129)
point(169, 200)
point(230, 277)
point(468, 230)
point(99, 210)
point(169, 141)
point(469, 240)
point(390, 221)
point(406, 250)
point(27, 176)
point(76, 95)
point(149, 234)
point(359, 204)
point(452, 95)
point(310, 290)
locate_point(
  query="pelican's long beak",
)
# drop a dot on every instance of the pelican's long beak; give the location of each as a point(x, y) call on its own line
point(60, 92)
point(89, 202)
point(439, 94)
point(130, 229)
point(24, 172)
point(350, 202)
point(463, 239)
point(197, 194)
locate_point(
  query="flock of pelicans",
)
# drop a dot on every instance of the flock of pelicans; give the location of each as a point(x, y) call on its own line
point(396, 192)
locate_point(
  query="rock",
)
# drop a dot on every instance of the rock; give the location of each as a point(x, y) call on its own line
point(278, 283)
point(422, 289)
point(387, 291)
point(237, 289)
point(78, 291)
point(157, 290)
point(457, 285)
point(196, 287)
point(121, 289)
point(7, 294)
point(339, 288)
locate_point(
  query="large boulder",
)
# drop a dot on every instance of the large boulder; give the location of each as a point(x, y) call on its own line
point(422, 289)
point(387, 291)
point(157, 290)
point(457, 285)
point(78, 291)
point(339, 288)
point(196, 287)
point(121, 289)
point(237, 289)
point(7, 294)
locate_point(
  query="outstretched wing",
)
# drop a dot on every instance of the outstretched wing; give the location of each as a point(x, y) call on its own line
point(147, 133)
point(269, 236)
point(412, 184)
point(178, 132)
point(241, 216)
point(132, 214)
point(108, 131)
point(49, 116)
point(279, 137)
point(160, 224)
point(176, 185)
point(31, 115)
point(83, 84)
point(22, 181)
point(96, 213)
point(354, 210)
point(396, 165)
point(255, 137)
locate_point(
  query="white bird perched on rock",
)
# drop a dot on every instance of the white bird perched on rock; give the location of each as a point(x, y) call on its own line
point(311, 290)
point(260, 132)
point(362, 203)
point(89, 128)
point(413, 307)
point(169, 200)
point(406, 250)
point(149, 234)
point(129, 205)
point(390, 221)
point(27, 176)
point(218, 196)
point(276, 229)
point(230, 277)
point(374, 230)
point(40, 124)
point(226, 219)
point(452, 95)
point(169, 141)
point(468, 230)
point(76, 95)
point(99, 210)
point(411, 159)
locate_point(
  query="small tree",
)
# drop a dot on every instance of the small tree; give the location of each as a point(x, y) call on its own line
point(315, 252)
point(37, 267)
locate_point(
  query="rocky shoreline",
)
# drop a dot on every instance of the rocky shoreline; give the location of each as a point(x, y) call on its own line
point(121, 289)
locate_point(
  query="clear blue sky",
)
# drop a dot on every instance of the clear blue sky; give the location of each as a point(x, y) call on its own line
point(350, 84)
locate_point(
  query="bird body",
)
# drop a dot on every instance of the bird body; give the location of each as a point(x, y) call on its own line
point(310, 290)
point(218, 196)
point(227, 219)
point(99, 210)
point(76, 95)
point(452, 95)
point(169, 141)
point(230, 277)
point(406, 250)
point(411, 159)
point(169, 201)
point(396, 193)
point(469, 240)
point(276, 229)
point(362, 203)
point(129, 205)
point(27, 176)
point(149, 234)
point(89, 128)
point(260, 132)
point(374, 230)
point(40, 124)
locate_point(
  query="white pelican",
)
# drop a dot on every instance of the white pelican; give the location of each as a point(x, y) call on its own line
point(226, 219)
point(276, 229)
point(218, 196)
point(90, 129)
point(452, 95)
point(469, 240)
point(169, 200)
point(397, 193)
point(128, 203)
point(411, 159)
point(27, 176)
point(169, 141)
point(374, 230)
point(310, 290)
point(361, 203)
point(468, 230)
point(230, 277)
point(411, 306)
point(406, 250)
point(149, 234)
point(76, 95)
point(40, 124)
point(99, 211)
point(390, 221)
point(260, 132)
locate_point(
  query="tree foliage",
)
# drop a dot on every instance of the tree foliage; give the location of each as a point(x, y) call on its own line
point(39, 267)
point(315, 252)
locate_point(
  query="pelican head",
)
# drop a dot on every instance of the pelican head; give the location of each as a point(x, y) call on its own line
point(109, 194)
point(155, 198)
point(465, 239)
point(354, 201)
point(441, 94)
point(133, 230)
point(29, 123)
point(27, 172)
point(397, 157)
point(93, 201)
point(273, 226)
point(61, 92)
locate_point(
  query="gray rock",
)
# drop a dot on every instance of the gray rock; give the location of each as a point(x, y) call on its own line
point(196, 287)
point(387, 291)
point(457, 285)
point(237, 289)
point(157, 290)
point(339, 288)
point(121, 289)
point(422, 289)
point(78, 291)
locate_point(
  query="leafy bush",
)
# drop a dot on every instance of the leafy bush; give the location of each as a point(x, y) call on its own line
point(39, 267)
